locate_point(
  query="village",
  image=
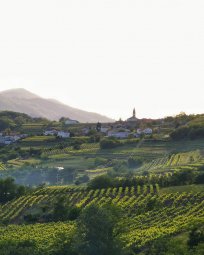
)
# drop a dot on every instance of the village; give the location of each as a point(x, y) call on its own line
point(119, 129)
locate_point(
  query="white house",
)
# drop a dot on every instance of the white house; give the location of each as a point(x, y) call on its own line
point(104, 129)
point(2, 139)
point(139, 131)
point(63, 134)
point(71, 122)
point(147, 131)
point(136, 135)
point(50, 132)
point(16, 137)
point(23, 136)
point(8, 140)
point(118, 134)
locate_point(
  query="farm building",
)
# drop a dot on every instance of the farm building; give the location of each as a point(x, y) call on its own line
point(63, 134)
point(119, 134)
point(71, 122)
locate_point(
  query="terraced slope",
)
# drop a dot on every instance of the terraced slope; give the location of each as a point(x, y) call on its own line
point(148, 214)
point(178, 161)
point(2, 166)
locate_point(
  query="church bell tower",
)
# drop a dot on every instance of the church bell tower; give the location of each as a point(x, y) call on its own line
point(134, 113)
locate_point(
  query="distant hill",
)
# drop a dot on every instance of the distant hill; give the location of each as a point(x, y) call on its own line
point(21, 100)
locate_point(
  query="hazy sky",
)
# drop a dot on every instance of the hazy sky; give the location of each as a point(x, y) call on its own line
point(106, 56)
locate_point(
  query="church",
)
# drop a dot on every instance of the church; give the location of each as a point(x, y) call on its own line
point(132, 119)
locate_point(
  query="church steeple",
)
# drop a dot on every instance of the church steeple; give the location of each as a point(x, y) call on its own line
point(134, 112)
point(133, 117)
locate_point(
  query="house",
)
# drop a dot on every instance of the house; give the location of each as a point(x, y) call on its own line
point(136, 135)
point(63, 134)
point(71, 122)
point(9, 139)
point(23, 136)
point(139, 131)
point(50, 132)
point(121, 134)
point(104, 130)
point(147, 131)
point(2, 139)
point(6, 140)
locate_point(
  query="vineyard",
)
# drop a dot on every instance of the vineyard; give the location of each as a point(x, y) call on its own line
point(190, 160)
point(79, 197)
point(148, 214)
point(144, 181)
point(2, 166)
point(99, 171)
point(84, 148)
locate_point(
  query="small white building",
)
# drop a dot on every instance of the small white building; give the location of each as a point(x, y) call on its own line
point(119, 134)
point(23, 136)
point(139, 131)
point(50, 132)
point(2, 139)
point(16, 137)
point(63, 134)
point(9, 140)
point(136, 135)
point(104, 130)
point(71, 122)
point(147, 131)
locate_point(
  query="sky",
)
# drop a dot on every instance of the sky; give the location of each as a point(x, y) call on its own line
point(106, 56)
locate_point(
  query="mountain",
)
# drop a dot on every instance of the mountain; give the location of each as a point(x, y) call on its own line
point(21, 100)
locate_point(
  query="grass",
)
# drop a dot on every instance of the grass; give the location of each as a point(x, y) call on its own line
point(169, 146)
point(185, 188)
point(16, 163)
point(79, 163)
point(39, 138)
point(96, 172)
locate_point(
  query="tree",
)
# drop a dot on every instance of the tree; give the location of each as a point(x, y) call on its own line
point(6, 123)
point(96, 232)
point(61, 210)
point(100, 182)
point(109, 143)
point(196, 236)
point(24, 247)
point(98, 127)
point(10, 190)
point(134, 162)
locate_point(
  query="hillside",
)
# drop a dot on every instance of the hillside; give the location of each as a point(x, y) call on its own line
point(21, 100)
point(147, 215)
point(150, 192)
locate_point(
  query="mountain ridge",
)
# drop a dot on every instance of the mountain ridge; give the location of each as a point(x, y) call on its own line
point(22, 100)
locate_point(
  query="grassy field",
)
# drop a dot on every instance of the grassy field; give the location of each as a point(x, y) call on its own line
point(17, 163)
point(39, 138)
point(80, 163)
point(186, 188)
